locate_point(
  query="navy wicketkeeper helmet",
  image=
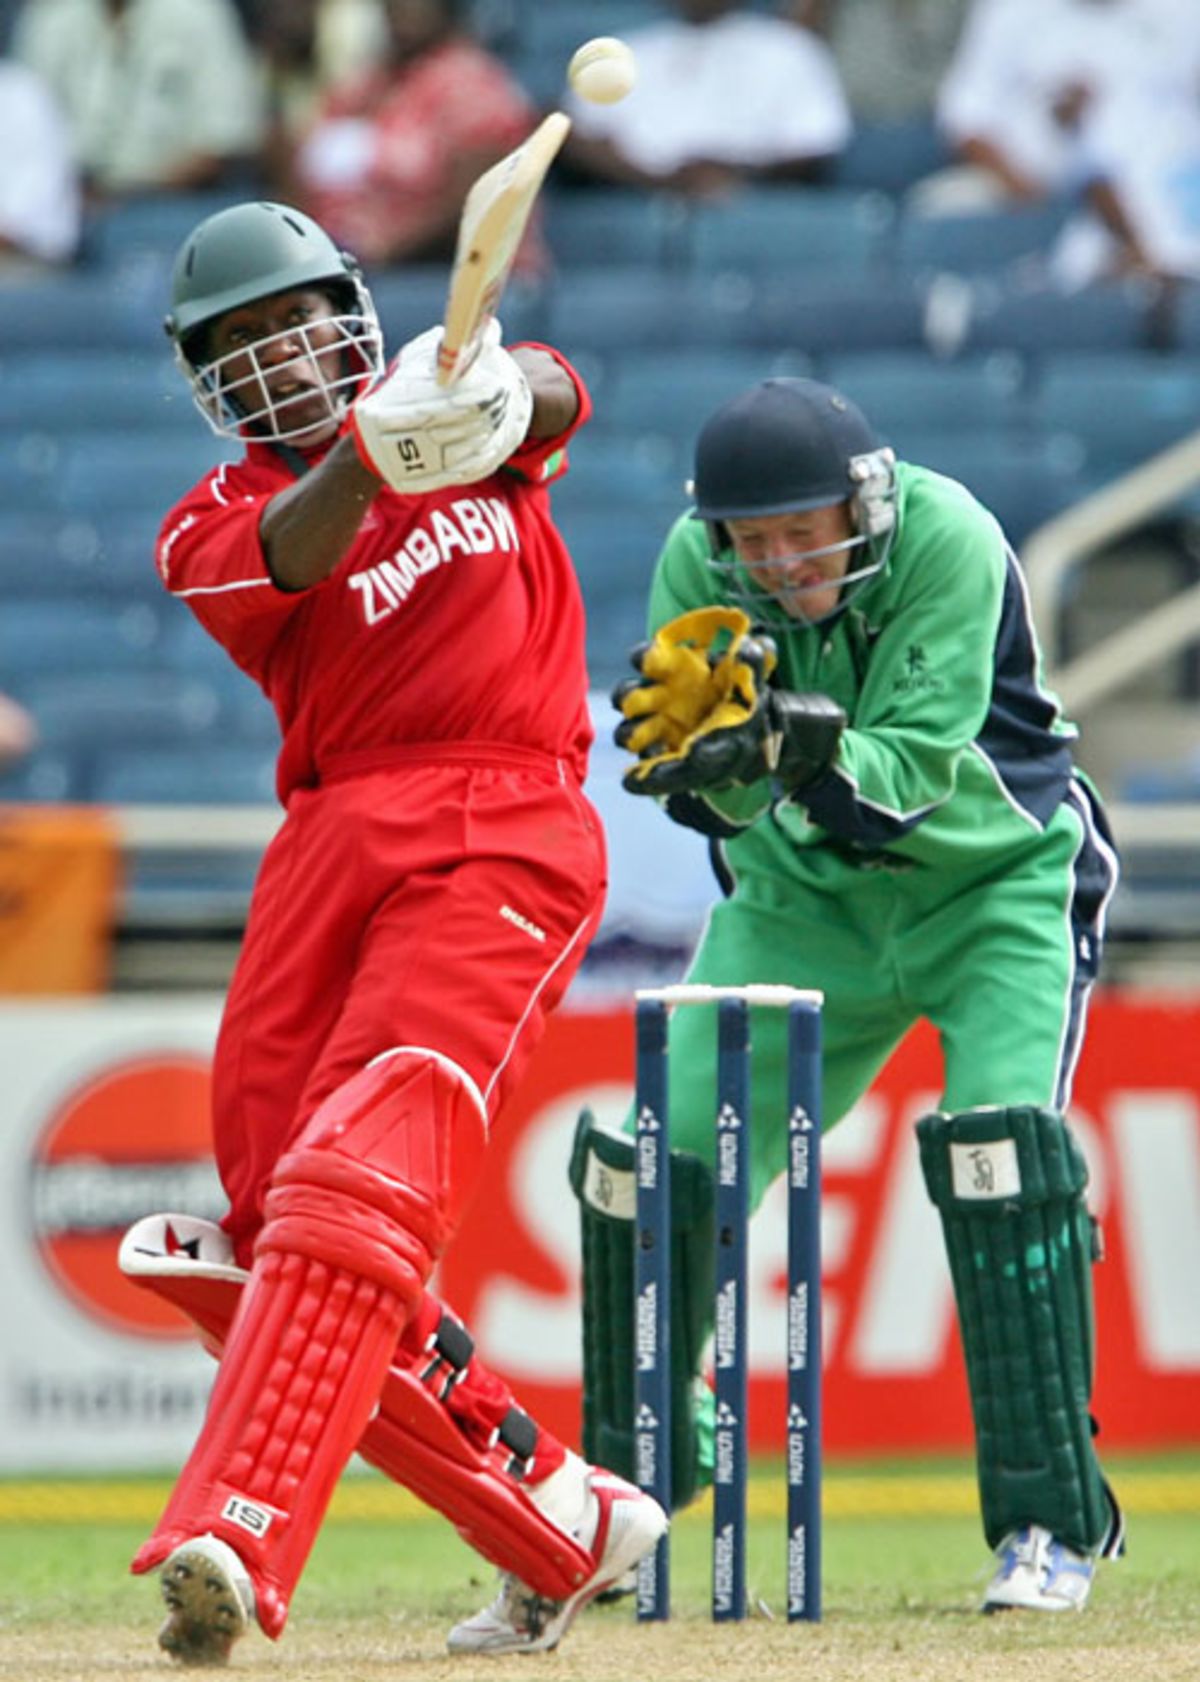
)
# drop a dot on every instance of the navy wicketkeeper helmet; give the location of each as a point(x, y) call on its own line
point(785, 446)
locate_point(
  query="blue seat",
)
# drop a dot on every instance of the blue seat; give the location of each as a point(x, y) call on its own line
point(1186, 320)
point(614, 553)
point(29, 477)
point(891, 156)
point(98, 471)
point(903, 390)
point(1024, 482)
point(556, 30)
point(542, 75)
point(983, 241)
point(1122, 407)
point(219, 775)
point(804, 232)
point(617, 225)
point(615, 624)
point(45, 778)
point(86, 708)
point(412, 298)
point(610, 469)
point(45, 389)
point(1107, 317)
point(617, 307)
point(408, 299)
point(147, 470)
point(674, 392)
point(614, 549)
point(156, 224)
point(85, 310)
point(39, 636)
point(46, 552)
point(826, 317)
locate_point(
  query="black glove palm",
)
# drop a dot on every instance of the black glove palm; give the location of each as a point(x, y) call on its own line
point(791, 737)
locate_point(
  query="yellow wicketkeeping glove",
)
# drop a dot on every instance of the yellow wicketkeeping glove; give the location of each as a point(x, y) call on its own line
point(701, 671)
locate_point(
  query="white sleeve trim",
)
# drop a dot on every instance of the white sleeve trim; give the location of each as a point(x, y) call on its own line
point(223, 589)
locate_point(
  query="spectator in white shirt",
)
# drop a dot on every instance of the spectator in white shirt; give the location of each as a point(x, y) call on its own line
point(723, 96)
point(1032, 79)
point(159, 94)
point(39, 186)
point(1143, 200)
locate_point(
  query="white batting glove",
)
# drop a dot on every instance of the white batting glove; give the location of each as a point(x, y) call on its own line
point(420, 436)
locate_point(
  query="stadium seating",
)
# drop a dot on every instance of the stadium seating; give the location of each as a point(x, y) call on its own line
point(618, 225)
point(1122, 408)
point(891, 156)
point(1024, 482)
point(608, 307)
point(1185, 321)
point(46, 778)
point(652, 390)
point(809, 233)
point(38, 636)
point(85, 310)
point(821, 317)
point(667, 306)
point(222, 774)
point(154, 226)
point(912, 391)
point(614, 550)
point(984, 242)
point(126, 470)
point(152, 706)
point(48, 552)
point(410, 300)
point(50, 389)
point(1112, 317)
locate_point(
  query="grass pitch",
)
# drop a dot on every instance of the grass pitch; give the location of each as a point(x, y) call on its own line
point(904, 1565)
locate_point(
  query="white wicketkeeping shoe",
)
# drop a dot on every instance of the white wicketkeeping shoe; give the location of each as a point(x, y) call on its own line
point(628, 1525)
point(1038, 1573)
point(209, 1599)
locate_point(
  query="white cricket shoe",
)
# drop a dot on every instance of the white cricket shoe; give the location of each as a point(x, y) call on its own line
point(628, 1524)
point(209, 1600)
point(1038, 1573)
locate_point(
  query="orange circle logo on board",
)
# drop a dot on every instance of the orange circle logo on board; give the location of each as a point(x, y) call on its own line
point(133, 1141)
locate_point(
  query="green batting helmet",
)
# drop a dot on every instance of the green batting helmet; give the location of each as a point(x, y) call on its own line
point(238, 257)
point(251, 251)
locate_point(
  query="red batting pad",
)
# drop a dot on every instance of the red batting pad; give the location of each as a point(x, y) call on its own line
point(415, 1441)
point(300, 1378)
point(355, 1218)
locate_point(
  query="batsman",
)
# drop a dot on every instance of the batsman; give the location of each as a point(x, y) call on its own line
point(842, 691)
point(382, 560)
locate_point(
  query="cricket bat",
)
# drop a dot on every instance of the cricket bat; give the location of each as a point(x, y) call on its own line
point(493, 219)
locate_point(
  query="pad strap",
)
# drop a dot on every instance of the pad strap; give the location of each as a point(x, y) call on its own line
point(1009, 1186)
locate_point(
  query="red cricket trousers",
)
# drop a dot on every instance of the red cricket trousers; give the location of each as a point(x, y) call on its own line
point(439, 898)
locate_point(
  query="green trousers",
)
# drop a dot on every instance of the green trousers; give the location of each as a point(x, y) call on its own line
point(1001, 966)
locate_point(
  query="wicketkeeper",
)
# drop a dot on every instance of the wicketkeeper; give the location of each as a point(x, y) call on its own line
point(842, 690)
point(383, 562)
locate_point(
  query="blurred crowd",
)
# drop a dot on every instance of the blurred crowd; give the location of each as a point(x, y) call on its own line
point(375, 115)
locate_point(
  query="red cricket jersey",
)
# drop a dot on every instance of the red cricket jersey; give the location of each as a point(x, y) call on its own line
point(453, 617)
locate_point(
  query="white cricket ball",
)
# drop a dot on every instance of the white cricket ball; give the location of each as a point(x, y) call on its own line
point(603, 70)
